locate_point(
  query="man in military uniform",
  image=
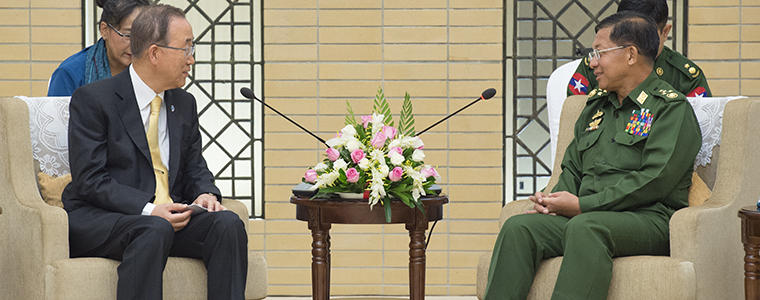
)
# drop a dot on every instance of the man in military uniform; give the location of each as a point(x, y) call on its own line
point(683, 74)
point(627, 170)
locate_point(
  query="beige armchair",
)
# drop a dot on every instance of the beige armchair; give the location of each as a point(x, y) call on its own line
point(34, 253)
point(706, 256)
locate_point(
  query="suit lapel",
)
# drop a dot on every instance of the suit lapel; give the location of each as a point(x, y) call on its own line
point(174, 126)
point(130, 113)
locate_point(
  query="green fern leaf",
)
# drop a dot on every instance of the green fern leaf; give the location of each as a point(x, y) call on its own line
point(350, 117)
point(381, 107)
point(406, 122)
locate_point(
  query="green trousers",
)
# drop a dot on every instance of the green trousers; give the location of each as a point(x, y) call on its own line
point(587, 242)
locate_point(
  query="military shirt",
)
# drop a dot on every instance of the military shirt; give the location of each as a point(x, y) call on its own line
point(634, 155)
point(672, 67)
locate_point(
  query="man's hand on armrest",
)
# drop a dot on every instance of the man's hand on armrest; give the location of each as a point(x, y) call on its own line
point(168, 212)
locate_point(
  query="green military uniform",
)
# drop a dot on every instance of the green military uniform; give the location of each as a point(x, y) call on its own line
point(630, 166)
point(677, 70)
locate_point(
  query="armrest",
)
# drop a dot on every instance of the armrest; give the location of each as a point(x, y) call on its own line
point(514, 208)
point(239, 208)
point(24, 196)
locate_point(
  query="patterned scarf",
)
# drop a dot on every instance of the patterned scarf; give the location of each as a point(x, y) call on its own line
point(96, 66)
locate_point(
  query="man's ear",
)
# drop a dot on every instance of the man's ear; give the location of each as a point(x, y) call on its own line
point(665, 31)
point(153, 53)
point(633, 55)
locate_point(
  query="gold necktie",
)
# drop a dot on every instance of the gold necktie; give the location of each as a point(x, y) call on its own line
point(162, 174)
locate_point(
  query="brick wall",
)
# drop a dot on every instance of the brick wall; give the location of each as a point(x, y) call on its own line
point(319, 54)
point(35, 36)
point(724, 39)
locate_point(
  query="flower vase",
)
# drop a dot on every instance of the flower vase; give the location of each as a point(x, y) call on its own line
point(352, 196)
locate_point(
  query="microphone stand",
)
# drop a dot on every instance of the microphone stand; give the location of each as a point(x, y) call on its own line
point(253, 96)
point(447, 117)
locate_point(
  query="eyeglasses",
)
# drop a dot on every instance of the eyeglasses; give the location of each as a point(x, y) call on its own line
point(124, 35)
point(189, 51)
point(596, 54)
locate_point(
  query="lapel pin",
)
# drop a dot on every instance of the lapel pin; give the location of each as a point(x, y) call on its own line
point(171, 107)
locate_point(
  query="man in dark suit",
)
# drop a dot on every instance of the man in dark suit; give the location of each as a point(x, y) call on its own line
point(136, 164)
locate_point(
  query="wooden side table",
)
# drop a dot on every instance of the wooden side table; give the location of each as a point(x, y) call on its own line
point(321, 213)
point(751, 239)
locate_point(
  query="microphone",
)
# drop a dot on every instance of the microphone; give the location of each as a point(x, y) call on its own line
point(246, 92)
point(485, 95)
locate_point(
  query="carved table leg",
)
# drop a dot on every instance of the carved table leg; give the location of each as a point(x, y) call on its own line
point(417, 256)
point(320, 257)
point(751, 271)
point(329, 261)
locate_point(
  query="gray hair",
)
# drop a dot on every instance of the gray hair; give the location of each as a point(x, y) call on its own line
point(151, 27)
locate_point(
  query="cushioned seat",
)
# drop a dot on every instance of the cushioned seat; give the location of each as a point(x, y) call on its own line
point(706, 256)
point(34, 254)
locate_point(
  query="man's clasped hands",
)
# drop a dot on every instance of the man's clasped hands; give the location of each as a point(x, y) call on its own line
point(559, 203)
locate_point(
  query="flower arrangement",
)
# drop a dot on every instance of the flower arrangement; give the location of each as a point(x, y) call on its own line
point(375, 158)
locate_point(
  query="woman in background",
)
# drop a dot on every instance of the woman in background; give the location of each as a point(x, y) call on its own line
point(107, 57)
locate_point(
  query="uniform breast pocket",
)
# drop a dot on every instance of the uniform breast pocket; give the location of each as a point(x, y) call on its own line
point(627, 148)
point(587, 140)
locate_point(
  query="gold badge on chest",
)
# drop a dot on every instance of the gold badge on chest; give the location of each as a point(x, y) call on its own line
point(642, 97)
point(596, 119)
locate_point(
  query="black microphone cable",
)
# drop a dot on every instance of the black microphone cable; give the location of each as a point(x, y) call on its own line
point(430, 233)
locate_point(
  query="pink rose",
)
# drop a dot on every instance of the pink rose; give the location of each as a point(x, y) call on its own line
point(352, 175)
point(430, 172)
point(332, 154)
point(397, 150)
point(357, 155)
point(389, 131)
point(366, 120)
point(395, 174)
point(310, 176)
point(379, 140)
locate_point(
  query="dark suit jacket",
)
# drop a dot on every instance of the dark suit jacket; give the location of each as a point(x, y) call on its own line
point(112, 173)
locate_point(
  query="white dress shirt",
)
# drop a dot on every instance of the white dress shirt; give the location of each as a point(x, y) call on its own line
point(144, 95)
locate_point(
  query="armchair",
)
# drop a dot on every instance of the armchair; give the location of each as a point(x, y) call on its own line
point(34, 254)
point(706, 256)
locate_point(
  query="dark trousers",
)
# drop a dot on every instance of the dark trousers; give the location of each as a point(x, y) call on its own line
point(144, 243)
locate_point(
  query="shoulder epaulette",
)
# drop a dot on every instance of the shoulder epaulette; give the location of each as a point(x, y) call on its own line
point(596, 93)
point(687, 67)
point(668, 94)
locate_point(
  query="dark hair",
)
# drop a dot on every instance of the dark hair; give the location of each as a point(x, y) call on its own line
point(632, 29)
point(656, 9)
point(151, 26)
point(114, 11)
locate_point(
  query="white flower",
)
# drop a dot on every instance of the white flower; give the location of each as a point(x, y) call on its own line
point(377, 190)
point(320, 167)
point(340, 164)
point(418, 155)
point(348, 131)
point(395, 143)
point(416, 142)
point(363, 163)
point(417, 179)
point(377, 122)
point(335, 142)
point(326, 179)
point(378, 156)
point(396, 158)
point(383, 169)
point(353, 144)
